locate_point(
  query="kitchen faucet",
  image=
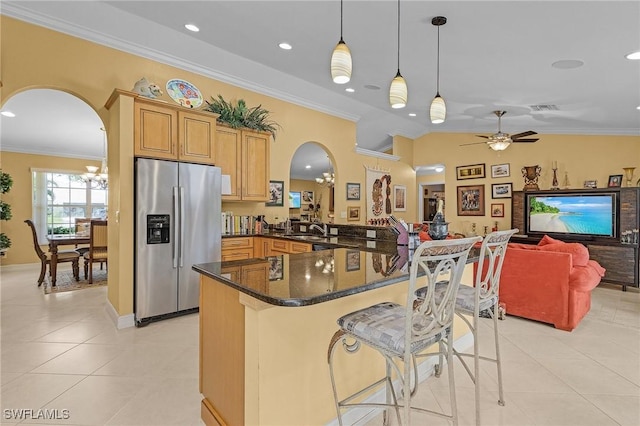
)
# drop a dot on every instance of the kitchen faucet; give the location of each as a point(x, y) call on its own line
point(324, 229)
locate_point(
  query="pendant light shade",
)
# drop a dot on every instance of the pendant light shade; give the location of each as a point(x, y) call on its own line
point(341, 65)
point(438, 110)
point(398, 92)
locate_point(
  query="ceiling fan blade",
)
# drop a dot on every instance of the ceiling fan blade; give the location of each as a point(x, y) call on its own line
point(523, 134)
point(475, 143)
point(483, 136)
point(524, 140)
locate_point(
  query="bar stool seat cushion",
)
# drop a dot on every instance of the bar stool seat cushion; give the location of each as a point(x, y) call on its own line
point(465, 299)
point(383, 326)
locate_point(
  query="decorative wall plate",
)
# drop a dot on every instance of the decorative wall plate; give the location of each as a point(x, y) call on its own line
point(184, 93)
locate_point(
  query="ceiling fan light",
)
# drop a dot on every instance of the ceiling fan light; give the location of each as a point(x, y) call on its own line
point(438, 110)
point(500, 145)
point(341, 64)
point(398, 92)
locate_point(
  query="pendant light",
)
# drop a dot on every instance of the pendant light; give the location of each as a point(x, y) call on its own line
point(438, 110)
point(341, 59)
point(398, 90)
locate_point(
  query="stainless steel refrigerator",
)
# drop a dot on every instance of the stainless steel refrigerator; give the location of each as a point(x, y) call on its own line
point(177, 225)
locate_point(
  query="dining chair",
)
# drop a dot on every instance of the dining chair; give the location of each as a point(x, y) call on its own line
point(480, 300)
point(82, 227)
point(45, 257)
point(98, 242)
point(398, 333)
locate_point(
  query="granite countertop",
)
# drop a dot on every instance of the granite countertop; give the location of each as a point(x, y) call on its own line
point(309, 278)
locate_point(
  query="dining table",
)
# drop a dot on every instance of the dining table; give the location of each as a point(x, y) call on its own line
point(62, 240)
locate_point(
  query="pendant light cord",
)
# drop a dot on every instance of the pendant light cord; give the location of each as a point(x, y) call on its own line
point(438, 65)
point(341, 20)
point(398, 36)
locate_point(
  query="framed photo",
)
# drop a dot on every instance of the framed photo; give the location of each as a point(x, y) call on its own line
point(352, 260)
point(276, 193)
point(501, 190)
point(307, 198)
point(497, 210)
point(500, 170)
point(276, 271)
point(353, 213)
point(400, 198)
point(591, 183)
point(471, 200)
point(353, 191)
point(615, 181)
point(473, 171)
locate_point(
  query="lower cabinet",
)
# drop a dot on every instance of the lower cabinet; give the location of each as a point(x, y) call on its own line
point(237, 248)
point(241, 248)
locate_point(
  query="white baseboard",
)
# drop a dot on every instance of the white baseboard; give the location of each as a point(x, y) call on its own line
point(120, 321)
point(359, 416)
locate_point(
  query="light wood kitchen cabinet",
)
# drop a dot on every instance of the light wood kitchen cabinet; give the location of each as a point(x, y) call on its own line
point(244, 155)
point(172, 133)
point(300, 247)
point(237, 248)
point(260, 246)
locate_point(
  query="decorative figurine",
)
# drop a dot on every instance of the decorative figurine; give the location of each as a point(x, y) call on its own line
point(628, 173)
point(554, 183)
point(147, 88)
point(531, 175)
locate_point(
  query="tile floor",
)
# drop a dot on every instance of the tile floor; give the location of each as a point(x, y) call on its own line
point(62, 352)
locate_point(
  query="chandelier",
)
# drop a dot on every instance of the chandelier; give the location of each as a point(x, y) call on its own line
point(328, 178)
point(99, 180)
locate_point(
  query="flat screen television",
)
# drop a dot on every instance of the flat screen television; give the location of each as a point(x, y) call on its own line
point(579, 215)
point(294, 200)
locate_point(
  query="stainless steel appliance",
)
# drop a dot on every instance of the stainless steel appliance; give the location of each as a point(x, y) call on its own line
point(177, 225)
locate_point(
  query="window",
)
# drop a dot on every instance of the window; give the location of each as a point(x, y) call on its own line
point(59, 197)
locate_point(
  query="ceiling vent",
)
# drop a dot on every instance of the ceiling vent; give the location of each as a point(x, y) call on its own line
point(544, 107)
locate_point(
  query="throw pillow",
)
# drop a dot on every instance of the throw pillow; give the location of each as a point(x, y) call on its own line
point(548, 240)
point(579, 253)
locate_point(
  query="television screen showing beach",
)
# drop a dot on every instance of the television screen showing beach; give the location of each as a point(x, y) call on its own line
point(587, 215)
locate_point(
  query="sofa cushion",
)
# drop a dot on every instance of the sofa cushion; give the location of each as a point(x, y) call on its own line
point(579, 253)
point(522, 246)
point(585, 278)
point(548, 240)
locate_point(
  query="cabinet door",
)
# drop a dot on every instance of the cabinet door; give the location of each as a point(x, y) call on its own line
point(236, 254)
point(279, 247)
point(155, 131)
point(256, 276)
point(255, 166)
point(228, 149)
point(300, 247)
point(196, 138)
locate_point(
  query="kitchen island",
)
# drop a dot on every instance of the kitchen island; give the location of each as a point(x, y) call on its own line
point(266, 323)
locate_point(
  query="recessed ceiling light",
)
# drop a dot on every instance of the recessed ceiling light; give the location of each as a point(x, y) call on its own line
point(635, 56)
point(285, 46)
point(350, 89)
point(192, 27)
point(8, 114)
point(308, 166)
point(567, 64)
point(439, 169)
point(638, 107)
point(412, 114)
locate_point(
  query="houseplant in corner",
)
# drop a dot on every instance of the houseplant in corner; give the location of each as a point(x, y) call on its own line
point(6, 182)
point(239, 115)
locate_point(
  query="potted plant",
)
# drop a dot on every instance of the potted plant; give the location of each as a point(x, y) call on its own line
point(239, 115)
point(6, 182)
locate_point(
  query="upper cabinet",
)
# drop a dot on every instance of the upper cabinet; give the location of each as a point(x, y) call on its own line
point(244, 155)
point(173, 133)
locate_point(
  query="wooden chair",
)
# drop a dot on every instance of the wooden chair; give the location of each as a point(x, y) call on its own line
point(45, 258)
point(82, 228)
point(98, 241)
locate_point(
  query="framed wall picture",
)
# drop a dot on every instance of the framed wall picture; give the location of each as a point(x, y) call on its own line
point(276, 271)
point(497, 210)
point(500, 170)
point(353, 213)
point(276, 193)
point(352, 260)
point(473, 171)
point(471, 200)
point(353, 191)
point(501, 190)
point(400, 198)
point(307, 198)
point(615, 181)
point(590, 184)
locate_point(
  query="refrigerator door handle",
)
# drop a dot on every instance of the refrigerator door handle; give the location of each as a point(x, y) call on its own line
point(182, 228)
point(174, 246)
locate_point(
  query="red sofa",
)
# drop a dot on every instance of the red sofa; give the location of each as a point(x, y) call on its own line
point(550, 282)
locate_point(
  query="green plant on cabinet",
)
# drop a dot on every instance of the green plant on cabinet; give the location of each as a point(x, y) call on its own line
point(239, 115)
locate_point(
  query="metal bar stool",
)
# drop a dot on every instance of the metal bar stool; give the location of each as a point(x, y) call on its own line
point(480, 299)
point(399, 332)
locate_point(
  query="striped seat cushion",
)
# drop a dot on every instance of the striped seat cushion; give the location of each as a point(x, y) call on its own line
point(465, 299)
point(382, 326)
point(64, 255)
point(97, 255)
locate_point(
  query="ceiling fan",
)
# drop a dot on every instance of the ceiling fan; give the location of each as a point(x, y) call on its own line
point(501, 141)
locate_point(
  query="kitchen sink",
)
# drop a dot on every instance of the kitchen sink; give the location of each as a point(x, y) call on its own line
point(307, 237)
